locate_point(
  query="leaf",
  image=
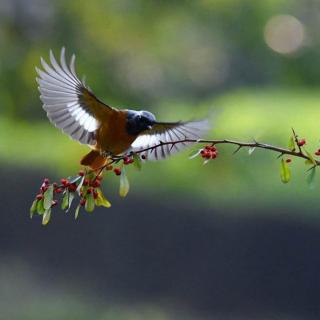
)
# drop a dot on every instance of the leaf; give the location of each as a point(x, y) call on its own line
point(250, 151)
point(311, 178)
point(206, 161)
point(48, 196)
point(75, 179)
point(291, 144)
point(65, 201)
point(285, 173)
point(40, 208)
point(33, 208)
point(101, 200)
point(89, 206)
point(71, 197)
point(194, 155)
point(76, 214)
point(80, 185)
point(137, 161)
point(46, 216)
point(311, 158)
point(124, 184)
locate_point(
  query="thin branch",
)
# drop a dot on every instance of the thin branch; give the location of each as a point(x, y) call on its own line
point(239, 144)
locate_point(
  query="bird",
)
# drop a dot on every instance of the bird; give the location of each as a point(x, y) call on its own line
point(72, 107)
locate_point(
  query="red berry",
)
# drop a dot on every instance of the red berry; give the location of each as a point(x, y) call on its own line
point(54, 203)
point(95, 195)
point(301, 142)
point(81, 173)
point(213, 155)
point(58, 190)
point(99, 178)
point(83, 202)
point(288, 160)
point(39, 196)
point(72, 187)
point(317, 153)
point(46, 181)
point(131, 160)
point(44, 188)
point(64, 182)
point(86, 182)
point(202, 152)
point(89, 191)
point(96, 184)
point(117, 171)
point(55, 185)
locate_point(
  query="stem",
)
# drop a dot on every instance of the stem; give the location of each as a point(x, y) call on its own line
point(239, 144)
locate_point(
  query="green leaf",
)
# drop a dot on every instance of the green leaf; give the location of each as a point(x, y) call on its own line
point(194, 154)
point(65, 201)
point(76, 214)
point(285, 173)
point(137, 161)
point(71, 197)
point(89, 206)
point(40, 208)
point(311, 158)
point(251, 149)
point(291, 144)
point(46, 216)
point(124, 184)
point(80, 184)
point(101, 200)
point(33, 208)
point(311, 178)
point(48, 196)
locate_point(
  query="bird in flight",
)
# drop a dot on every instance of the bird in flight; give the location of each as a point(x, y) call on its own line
point(72, 107)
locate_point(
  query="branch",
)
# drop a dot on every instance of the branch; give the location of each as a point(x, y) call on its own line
point(239, 144)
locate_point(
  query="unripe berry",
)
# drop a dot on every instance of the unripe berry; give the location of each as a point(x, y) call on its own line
point(117, 171)
point(109, 167)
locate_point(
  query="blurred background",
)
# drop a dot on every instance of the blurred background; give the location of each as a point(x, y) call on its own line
point(223, 241)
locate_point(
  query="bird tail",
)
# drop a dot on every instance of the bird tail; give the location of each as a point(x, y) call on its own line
point(94, 160)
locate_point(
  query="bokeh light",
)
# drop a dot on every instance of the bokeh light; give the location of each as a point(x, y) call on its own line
point(284, 34)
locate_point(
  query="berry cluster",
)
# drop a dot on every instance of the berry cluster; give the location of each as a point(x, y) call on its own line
point(209, 152)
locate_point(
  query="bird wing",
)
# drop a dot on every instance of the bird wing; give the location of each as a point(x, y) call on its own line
point(168, 132)
point(69, 103)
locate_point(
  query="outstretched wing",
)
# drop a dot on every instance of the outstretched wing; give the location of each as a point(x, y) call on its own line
point(69, 103)
point(169, 132)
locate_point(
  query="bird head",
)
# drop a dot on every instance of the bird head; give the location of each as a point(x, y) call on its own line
point(139, 121)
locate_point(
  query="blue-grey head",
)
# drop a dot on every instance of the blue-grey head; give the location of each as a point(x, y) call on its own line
point(139, 121)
